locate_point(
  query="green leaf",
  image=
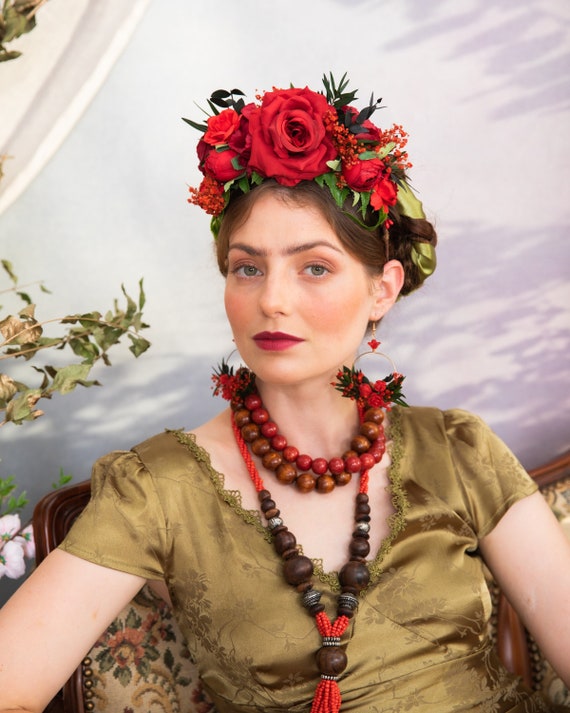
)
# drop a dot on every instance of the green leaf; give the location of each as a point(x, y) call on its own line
point(5, 56)
point(367, 155)
point(168, 659)
point(195, 125)
point(142, 296)
point(133, 620)
point(7, 265)
point(25, 297)
point(68, 377)
point(21, 408)
point(7, 485)
point(15, 505)
point(63, 479)
point(16, 24)
point(139, 345)
point(123, 675)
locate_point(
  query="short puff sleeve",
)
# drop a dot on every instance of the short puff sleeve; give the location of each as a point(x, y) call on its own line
point(489, 476)
point(123, 526)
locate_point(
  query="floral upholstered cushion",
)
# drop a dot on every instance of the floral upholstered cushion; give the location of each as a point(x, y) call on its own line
point(142, 664)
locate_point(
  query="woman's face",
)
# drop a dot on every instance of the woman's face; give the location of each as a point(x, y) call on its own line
point(298, 303)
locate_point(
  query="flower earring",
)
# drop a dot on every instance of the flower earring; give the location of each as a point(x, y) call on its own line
point(353, 384)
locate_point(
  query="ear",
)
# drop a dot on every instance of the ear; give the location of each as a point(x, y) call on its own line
point(386, 288)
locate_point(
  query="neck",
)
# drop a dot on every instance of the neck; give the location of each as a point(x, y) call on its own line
point(312, 416)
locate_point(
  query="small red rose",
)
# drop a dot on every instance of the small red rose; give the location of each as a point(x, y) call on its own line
point(221, 126)
point(362, 175)
point(384, 194)
point(220, 165)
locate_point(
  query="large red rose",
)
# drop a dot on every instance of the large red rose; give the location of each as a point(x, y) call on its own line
point(288, 137)
point(221, 126)
point(362, 175)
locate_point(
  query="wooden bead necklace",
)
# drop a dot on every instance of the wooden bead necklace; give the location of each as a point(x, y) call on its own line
point(254, 430)
point(298, 572)
point(257, 429)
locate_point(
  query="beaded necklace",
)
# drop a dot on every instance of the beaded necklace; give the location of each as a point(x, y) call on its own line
point(253, 429)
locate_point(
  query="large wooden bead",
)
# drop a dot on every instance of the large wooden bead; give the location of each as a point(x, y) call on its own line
point(374, 414)
point(241, 417)
point(286, 473)
point(359, 547)
point(283, 541)
point(297, 570)
point(343, 478)
point(250, 432)
point(370, 430)
point(325, 483)
point(331, 660)
point(360, 444)
point(267, 504)
point(272, 460)
point(354, 575)
point(260, 446)
point(306, 482)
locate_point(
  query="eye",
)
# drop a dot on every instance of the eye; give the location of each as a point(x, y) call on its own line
point(245, 270)
point(317, 270)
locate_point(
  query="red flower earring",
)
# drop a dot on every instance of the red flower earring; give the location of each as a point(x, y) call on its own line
point(353, 384)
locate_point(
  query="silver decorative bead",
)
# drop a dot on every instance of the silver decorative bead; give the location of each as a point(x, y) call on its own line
point(274, 522)
point(331, 640)
point(311, 597)
point(363, 526)
point(347, 600)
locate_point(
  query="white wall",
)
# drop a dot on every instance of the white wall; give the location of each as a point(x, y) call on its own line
point(483, 90)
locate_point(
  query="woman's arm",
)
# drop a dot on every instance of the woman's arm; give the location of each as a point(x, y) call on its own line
point(529, 556)
point(51, 622)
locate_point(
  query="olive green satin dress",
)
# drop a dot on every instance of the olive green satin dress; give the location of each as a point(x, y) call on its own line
point(419, 639)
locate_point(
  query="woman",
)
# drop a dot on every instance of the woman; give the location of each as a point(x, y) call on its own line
point(318, 234)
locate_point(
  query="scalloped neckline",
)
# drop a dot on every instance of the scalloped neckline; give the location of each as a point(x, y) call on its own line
point(396, 521)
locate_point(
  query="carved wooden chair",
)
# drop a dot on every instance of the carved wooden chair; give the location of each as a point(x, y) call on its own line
point(141, 658)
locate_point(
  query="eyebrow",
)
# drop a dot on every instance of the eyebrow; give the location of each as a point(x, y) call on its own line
point(293, 250)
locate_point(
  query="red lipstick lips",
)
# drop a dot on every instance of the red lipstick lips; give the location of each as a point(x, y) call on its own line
point(275, 341)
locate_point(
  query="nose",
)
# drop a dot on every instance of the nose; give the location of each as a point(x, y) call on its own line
point(275, 297)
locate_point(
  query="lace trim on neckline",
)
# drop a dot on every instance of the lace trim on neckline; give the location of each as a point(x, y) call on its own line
point(396, 521)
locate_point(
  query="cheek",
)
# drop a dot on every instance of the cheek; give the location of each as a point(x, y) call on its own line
point(237, 308)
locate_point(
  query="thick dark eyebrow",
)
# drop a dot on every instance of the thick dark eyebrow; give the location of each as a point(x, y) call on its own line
point(293, 250)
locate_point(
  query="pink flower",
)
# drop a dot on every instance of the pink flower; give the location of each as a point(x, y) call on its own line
point(9, 526)
point(12, 560)
point(26, 540)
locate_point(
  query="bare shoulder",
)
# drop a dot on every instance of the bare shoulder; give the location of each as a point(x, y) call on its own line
point(214, 432)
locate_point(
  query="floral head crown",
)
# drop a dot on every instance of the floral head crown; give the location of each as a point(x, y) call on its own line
point(293, 135)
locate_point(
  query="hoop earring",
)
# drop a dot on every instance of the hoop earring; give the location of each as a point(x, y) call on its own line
point(374, 344)
point(380, 393)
